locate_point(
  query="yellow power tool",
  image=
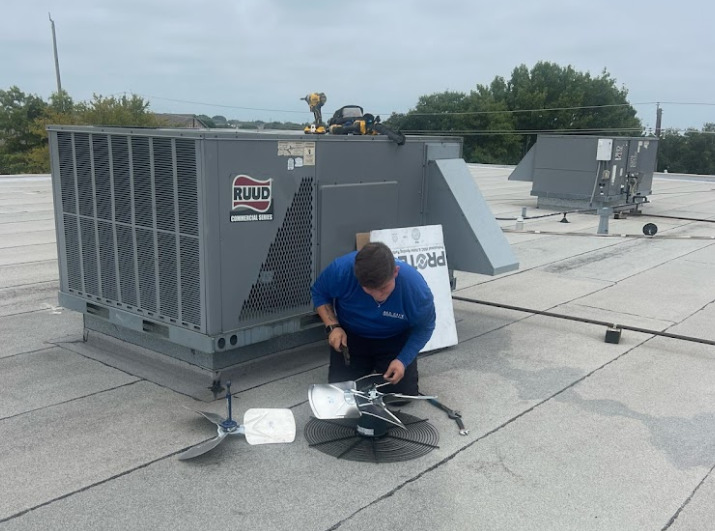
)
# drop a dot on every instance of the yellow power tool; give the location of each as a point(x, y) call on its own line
point(315, 101)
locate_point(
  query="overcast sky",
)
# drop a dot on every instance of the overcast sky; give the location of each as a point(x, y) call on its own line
point(381, 54)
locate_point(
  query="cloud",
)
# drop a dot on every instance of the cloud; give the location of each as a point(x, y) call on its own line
point(382, 55)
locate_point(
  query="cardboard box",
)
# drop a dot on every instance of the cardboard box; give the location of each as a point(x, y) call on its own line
point(361, 238)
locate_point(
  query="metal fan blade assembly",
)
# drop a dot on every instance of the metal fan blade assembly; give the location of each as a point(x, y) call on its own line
point(204, 447)
point(397, 397)
point(352, 420)
point(212, 417)
point(269, 426)
point(333, 401)
point(260, 426)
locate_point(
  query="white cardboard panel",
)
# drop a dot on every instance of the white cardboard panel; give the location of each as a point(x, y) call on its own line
point(423, 248)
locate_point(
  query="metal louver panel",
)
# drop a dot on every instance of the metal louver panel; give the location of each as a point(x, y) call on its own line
point(188, 193)
point(127, 265)
point(66, 157)
point(285, 277)
point(89, 256)
point(130, 223)
point(147, 271)
point(141, 165)
point(74, 269)
point(84, 174)
point(107, 260)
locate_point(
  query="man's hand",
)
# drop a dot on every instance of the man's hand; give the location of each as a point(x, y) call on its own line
point(395, 372)
point(338, 339)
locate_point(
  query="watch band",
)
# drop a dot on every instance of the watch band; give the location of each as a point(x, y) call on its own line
point(330, 328)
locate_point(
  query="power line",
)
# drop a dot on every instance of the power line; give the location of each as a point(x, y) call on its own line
point(220, 105)
point(408, 113)
point(528, 110)
point(459, 113)
point(524, 131)
point(704, 104)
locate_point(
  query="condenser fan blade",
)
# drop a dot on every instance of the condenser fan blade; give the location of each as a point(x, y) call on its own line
point(397, 397)
point(365, 382)
point(204, 447)
point(333, 401)
point(381, 413)
point(213, 417)
point(269, 426)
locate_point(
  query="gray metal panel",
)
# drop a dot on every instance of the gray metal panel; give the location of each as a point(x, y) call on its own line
point(120, 236)
point(351, 208)
point(267, 266)
point(474, 241)
point(616, 168)
point(565, 167)
point(572, 153)
point(370, 161)
point(524, 171)
point(58, 210)
point(443, 150)
point(211, 247)
point(563, 183)
point(642, 155)
point(645, 164)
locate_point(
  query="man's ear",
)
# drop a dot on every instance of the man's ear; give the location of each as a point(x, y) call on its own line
point(397, 270)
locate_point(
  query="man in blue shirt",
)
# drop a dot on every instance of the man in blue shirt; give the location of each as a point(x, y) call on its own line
point(382, 310)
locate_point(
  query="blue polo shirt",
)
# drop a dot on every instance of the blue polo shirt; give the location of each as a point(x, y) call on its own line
point(410, 305)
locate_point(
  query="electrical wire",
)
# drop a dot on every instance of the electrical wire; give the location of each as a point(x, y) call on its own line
point(410, 113)
point(615, 235)
point(545, 109)
point(540, 216)
point(595, 182)
point(586, 320)
point(679, 218)
point(521, 131)
point(148, 96)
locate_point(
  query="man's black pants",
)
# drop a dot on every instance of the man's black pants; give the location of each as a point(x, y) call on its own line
point(369, 356)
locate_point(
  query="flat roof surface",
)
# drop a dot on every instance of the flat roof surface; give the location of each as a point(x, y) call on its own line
point(566, 431)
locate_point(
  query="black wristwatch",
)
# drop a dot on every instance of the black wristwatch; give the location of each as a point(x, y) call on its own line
point(330, 328)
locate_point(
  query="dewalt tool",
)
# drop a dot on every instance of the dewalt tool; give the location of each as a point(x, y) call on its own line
point(315, 102)
point(351, 120)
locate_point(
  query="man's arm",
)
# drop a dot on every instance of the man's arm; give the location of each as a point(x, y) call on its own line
point(326, 288)
point(337, 337)
point(327, 314)
point(423, 317)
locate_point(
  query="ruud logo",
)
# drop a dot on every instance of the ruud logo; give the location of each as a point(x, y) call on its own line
point(252, 199)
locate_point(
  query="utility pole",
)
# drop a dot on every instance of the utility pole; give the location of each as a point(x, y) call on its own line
point(658, 119)
point(57, 62)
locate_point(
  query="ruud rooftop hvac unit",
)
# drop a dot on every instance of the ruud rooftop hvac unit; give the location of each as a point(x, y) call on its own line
point(204, 245)
point(588, 171)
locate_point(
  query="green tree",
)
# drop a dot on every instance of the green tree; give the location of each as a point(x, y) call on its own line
point(208, 121)
point(219, 120)
point(100, 111)
point(18, 112)
point(435, 112)
point(589, 104)
point(496, 119)
point(692, 151)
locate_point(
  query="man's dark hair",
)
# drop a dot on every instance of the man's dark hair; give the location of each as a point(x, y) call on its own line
point(374, 265)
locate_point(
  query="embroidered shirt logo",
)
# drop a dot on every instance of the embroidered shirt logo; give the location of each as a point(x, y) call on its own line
point(393, 315)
